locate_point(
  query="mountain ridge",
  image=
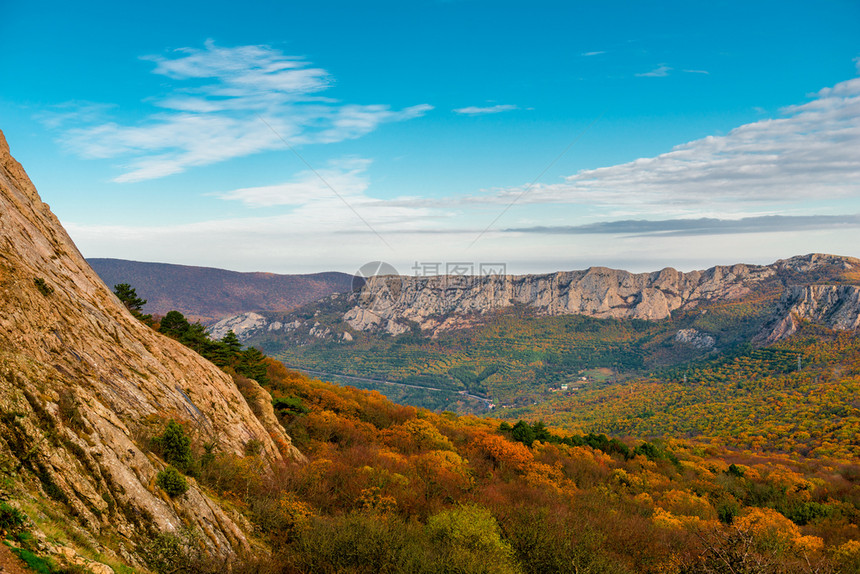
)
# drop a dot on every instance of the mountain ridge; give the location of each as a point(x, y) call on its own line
point(598, 292)
point(208, 294)
point(436, 304)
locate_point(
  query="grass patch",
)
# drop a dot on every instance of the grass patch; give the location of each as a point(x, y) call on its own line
point(34, 562)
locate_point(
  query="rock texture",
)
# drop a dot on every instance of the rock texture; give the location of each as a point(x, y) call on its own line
point(833, 306)
point(239, 324)
point(67, 344)
point(696, 339)
point(397, 304)
point(597, 292)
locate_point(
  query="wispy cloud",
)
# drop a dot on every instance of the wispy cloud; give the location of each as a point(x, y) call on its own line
point(347, 176)
point(595, 53)
point(809, 153)
point(477, 110)
point(212, 112)
point(660, 71)
point(704, 72)
point(702, 226)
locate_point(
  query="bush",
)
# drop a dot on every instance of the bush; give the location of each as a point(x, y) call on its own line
point(292, 406)
point(43, 287)
point(174, 446)
point(11, 518)
point(471, 527)
point(179, 552)
point(172, 482)
point(253, 447)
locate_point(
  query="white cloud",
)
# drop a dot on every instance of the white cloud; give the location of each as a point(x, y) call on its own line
point(807, 154)
point(802, 164)
point(595, 53)
point(660, 71)
point(477, 110)
point(217, 114)
point(704, 72)
point(346, 177)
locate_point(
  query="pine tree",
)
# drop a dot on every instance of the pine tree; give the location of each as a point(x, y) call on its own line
point(128, 297)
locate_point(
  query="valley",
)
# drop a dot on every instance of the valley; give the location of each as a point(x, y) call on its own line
point(726, 430)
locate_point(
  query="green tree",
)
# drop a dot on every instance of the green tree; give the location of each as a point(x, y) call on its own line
point(252, 364)
point(128, 297)
point(195, 338)
point(172, 482)
point(471, 534)
point(523, 432)
point(174, 324)
point(231, 342)
point(225, 352)
point(175, 446)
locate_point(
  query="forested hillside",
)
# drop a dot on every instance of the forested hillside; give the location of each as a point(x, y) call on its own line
point(390, 488)
point(513, 356)
point(798, 396)
point(397, 489)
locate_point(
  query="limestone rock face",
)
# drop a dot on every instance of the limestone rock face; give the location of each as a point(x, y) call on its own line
point(834, 306)
point(597, 292)
point(65, 336)
point(239, 324)
point(696, 339)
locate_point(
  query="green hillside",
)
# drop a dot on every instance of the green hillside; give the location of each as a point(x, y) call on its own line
point(513, 356)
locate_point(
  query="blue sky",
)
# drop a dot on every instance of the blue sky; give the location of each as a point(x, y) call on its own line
point(315, 136)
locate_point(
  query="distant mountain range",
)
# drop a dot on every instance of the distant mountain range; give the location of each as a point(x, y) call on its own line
point(816, 287)
point(208, 294)
point(511, 338)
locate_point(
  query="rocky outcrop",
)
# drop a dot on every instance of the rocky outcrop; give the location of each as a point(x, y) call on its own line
point(833, 306)
point(239, 324)
point(68, 347)
point(696, 338)
point(397, 304)
point(597, 292)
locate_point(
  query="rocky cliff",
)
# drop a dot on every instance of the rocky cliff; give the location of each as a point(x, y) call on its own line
point(833, 306)
point(390, 304)
point(68, 345)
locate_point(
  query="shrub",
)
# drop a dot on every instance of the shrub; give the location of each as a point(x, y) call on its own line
point(361, 542)
point(179, 552)
point(253, 447)
point(10, 517)
point(172, 482)
point(470, 527)
point(43, 287)
point(175, 446)
point(290, 405)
